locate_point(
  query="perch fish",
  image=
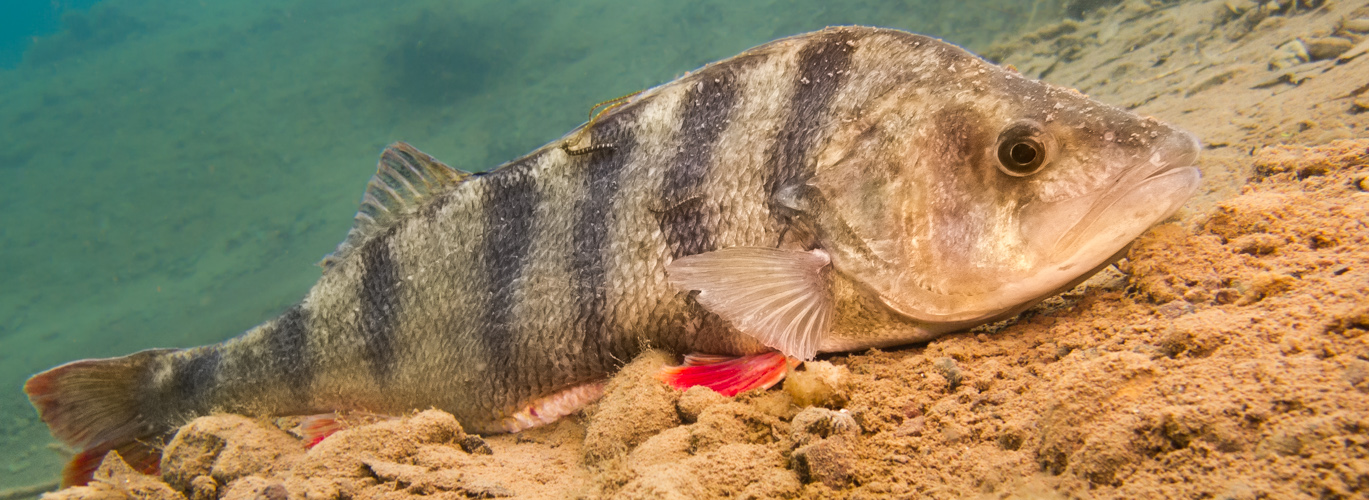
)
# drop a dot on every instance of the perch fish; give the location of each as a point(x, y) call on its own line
point(839, 190)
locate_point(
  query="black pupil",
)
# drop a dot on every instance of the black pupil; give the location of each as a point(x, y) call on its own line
point(1022, 153)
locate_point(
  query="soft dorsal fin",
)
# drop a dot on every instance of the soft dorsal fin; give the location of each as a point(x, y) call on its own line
point(779, 297)
point(404, 180)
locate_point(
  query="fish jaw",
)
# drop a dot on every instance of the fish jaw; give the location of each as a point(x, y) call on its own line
point(1150, 191)
point(1078, 243)
point(1069, 240)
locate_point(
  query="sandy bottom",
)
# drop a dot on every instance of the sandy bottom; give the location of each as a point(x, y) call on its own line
point(1226, 357)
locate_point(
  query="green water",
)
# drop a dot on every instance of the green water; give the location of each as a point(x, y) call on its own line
point(171, 170)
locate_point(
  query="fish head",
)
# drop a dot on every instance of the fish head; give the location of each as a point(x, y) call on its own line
point(966, 195)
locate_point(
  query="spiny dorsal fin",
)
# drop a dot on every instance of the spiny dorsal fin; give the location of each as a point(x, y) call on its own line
point(404, 180)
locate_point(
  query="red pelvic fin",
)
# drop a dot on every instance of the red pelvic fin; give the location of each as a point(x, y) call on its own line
point(728, 375)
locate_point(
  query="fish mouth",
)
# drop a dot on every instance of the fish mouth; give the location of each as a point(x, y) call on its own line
point(1149, 192)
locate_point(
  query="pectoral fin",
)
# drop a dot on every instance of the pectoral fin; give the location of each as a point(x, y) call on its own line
point(779, 297)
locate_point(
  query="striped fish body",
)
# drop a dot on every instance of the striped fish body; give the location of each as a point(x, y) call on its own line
point(507, 298)
point(547, 273)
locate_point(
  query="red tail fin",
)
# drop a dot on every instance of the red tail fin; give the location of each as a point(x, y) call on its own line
point(92, 405)
point(142, 456)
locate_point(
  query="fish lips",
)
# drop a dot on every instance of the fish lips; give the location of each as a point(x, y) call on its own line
point(1079, 232)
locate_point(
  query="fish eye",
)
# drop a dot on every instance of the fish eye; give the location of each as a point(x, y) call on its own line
point(1023, 149)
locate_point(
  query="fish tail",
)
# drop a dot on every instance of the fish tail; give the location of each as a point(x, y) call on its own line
point(143, 455)
point(94, 406)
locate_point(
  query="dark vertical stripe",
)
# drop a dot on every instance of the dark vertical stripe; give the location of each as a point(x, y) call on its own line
point(194, 375)
point(380, 304)
point(822, 67)
point(287, 342)
point(686, 224)
point(590, 236)
point(510, 202)
point(707, 107)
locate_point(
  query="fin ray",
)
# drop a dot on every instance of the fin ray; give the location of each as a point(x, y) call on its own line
point(313, 429)
point(548, 409)
point(728, 375)
point(777, 296)
point(405, 179)
point(92, 405)
point(143, 457)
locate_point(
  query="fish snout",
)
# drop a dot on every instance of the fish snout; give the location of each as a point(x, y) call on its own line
point(1178, 149)
point(1099, 223)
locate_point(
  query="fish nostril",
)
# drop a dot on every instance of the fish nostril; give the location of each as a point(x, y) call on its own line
point(1178, 149)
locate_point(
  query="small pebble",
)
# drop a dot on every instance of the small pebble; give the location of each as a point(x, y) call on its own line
point(1320, 49)
point(1361, 183)
point(1226, 296)
point(819, 383)
point(813, 424)
point(829, 461)
point(912, 427)
point(950, 370)
point(1288, 55)
point(1175, 309)
point(1362, 101)
point(474, 445)
point(1359, 25)
point(1197, 296)
point(1239, 7)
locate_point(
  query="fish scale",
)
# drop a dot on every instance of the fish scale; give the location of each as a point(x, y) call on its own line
point(833, 191)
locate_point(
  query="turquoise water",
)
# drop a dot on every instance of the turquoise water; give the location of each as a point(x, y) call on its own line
point(23, 20)
point(171, 170)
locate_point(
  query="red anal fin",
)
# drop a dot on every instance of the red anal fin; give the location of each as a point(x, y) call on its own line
point(550, 408)
point(315, 428)
point(144, 457)
point(728, 375)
